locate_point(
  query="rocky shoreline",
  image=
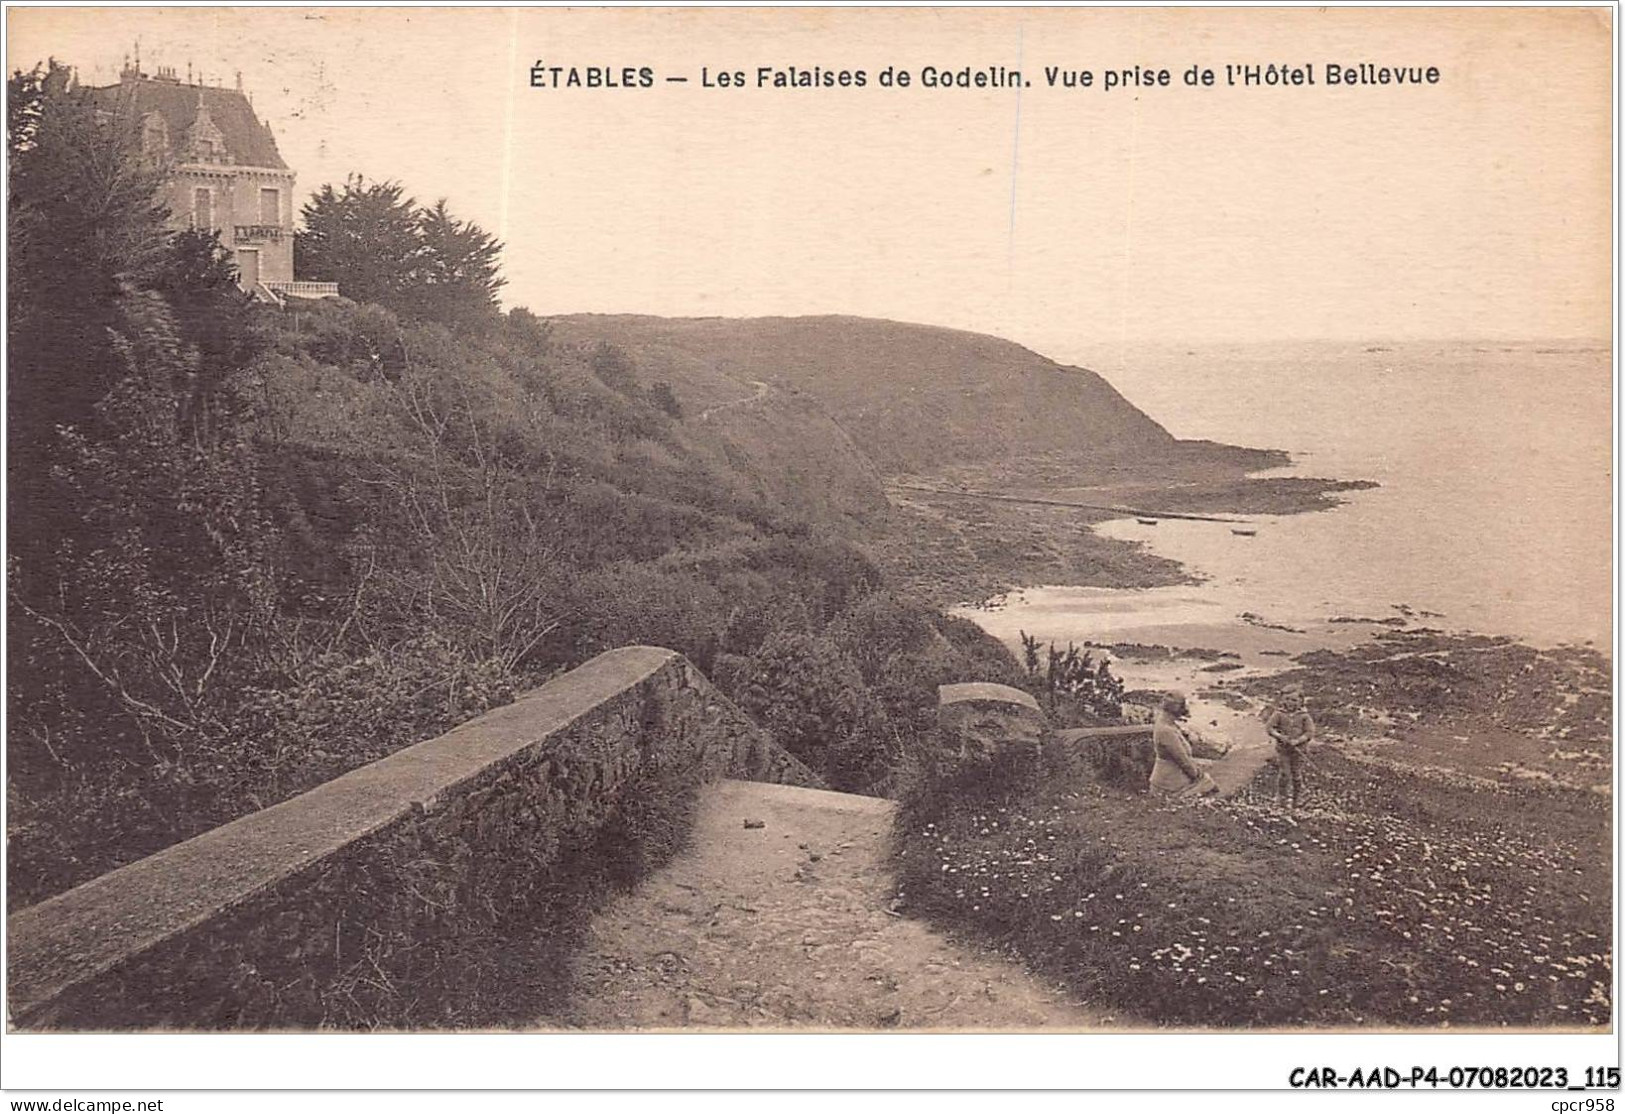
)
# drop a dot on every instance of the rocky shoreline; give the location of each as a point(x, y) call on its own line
point(1391, 686)
point(1479, 705)
point(1033, 522)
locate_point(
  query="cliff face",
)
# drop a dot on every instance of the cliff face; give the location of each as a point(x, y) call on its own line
point(909, 397)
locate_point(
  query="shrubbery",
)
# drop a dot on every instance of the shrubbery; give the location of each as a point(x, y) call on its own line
point(256, 548)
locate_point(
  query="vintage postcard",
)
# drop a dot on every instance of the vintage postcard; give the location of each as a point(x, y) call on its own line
point(1089, 521)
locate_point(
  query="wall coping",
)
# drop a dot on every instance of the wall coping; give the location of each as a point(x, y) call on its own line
point(979, 691)
point(85, 932)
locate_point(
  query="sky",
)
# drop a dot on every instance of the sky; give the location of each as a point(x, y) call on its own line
point(1477, 207)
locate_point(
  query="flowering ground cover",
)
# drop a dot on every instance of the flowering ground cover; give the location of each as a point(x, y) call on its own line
point(1392, 900)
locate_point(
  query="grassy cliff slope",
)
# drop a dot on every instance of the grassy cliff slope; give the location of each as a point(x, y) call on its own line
point(912, 397)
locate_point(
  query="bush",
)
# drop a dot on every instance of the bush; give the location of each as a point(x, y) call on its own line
point(664, 398)
point(83, 816)
point(344, 712)
point(613, 367)
point(811, 698)
point(631, 604)
point(1073, 686)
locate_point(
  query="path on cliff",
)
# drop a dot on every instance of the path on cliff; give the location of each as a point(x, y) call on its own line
point(788, 926)
point(757, 396)
point(1235, 771)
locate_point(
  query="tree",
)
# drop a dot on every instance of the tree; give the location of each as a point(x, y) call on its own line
point(457, 279)
point(136, 570)
point(154, 594)
point(534, 334)
point(84, 227)
point(381, 247)
point(364, 237)
point(198, 280)
point(480, 563)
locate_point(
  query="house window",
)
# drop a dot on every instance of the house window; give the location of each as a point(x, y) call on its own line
point(202, 210)
point(269, 208)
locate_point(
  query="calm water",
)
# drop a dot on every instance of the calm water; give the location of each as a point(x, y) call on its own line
point(1495, 462)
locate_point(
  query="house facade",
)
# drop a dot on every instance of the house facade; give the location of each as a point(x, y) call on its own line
point(223, 172)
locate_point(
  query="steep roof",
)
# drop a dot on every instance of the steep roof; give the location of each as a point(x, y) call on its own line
point(249, 142)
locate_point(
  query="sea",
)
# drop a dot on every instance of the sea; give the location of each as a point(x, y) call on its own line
point(1494, 512)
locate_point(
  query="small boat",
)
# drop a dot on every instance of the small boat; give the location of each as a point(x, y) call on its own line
point(1146, 521)
point(1244, 533)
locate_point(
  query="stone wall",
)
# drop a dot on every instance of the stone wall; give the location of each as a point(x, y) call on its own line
point(387, 896)
point(978, 720)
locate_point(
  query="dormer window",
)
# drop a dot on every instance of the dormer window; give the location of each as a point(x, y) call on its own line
point(206, 141)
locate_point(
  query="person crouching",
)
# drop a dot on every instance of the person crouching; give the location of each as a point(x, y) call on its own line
point(1175, 773)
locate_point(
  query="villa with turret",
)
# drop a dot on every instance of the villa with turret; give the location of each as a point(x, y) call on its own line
point(223, 173)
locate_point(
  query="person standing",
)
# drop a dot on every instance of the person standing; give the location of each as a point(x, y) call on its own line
point(1292, 728)
point(1175, 772)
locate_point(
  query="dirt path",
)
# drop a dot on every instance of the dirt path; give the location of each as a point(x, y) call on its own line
point(759, 394)
point(1235, 771)
point(787, 926)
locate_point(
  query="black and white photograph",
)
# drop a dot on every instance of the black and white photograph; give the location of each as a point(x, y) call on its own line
point(1088, 522)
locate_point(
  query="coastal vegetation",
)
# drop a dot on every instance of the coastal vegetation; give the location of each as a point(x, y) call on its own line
point(1393, 899)
point(257, 547)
